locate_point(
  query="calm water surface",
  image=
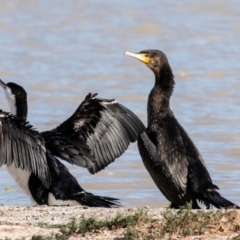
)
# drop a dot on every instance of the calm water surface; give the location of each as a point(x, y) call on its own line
point(61, 50)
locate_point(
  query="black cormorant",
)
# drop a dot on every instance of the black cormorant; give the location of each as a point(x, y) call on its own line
point(168, 153)
point(98, 132)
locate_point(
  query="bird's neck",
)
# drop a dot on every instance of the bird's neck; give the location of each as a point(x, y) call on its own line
point(19, 108)
point(159, 98)
point(22, 110)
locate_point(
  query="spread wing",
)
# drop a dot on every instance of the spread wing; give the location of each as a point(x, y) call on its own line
point(102, 128)
point(22, 146)
point(62, 147)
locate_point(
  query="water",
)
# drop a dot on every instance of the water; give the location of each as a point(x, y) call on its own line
point(61, 50)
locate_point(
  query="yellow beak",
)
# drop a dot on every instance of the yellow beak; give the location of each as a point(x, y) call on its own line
point(140, 56)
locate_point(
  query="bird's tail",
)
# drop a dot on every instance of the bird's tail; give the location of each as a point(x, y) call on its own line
point(214, 198)
point(90, 200)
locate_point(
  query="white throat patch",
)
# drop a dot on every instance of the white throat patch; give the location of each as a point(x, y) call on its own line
point(11, 100)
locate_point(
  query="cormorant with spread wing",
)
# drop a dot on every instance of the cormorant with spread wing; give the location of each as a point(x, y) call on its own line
point(98, 132)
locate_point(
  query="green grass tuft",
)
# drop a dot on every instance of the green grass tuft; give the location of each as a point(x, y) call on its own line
point(91, 224)
point(183, 222)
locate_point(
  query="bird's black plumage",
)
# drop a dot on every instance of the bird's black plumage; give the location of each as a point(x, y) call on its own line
point(65, 187)
point(168, 153)
point(99, 131)
point(23, 147)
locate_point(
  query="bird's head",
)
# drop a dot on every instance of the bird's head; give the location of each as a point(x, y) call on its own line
point(15, 95)
point(154, 59)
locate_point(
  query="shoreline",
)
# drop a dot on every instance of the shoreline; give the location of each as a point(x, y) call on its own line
point(23, 222)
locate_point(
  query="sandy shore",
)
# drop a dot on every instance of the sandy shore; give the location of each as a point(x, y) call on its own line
point(26, 221)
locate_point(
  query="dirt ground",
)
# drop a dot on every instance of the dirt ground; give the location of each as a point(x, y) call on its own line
point(22, 222)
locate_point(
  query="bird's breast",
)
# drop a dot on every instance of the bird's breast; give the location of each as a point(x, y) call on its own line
point(21, 177)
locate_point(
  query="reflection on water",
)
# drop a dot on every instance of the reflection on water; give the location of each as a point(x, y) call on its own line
point(61, 50)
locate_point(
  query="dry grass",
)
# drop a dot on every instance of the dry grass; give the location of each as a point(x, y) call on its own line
point(186, 222)
point(173, 223)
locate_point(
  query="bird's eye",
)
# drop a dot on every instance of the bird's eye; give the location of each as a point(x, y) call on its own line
point(146, 55)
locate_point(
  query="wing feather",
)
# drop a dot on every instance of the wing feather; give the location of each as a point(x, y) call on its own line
point(101, 129)
point(181, 157)
point(22, 146)
point(72, 152)
point(157, 168)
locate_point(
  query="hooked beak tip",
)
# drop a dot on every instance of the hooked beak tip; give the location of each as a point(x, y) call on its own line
point(2, 84)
